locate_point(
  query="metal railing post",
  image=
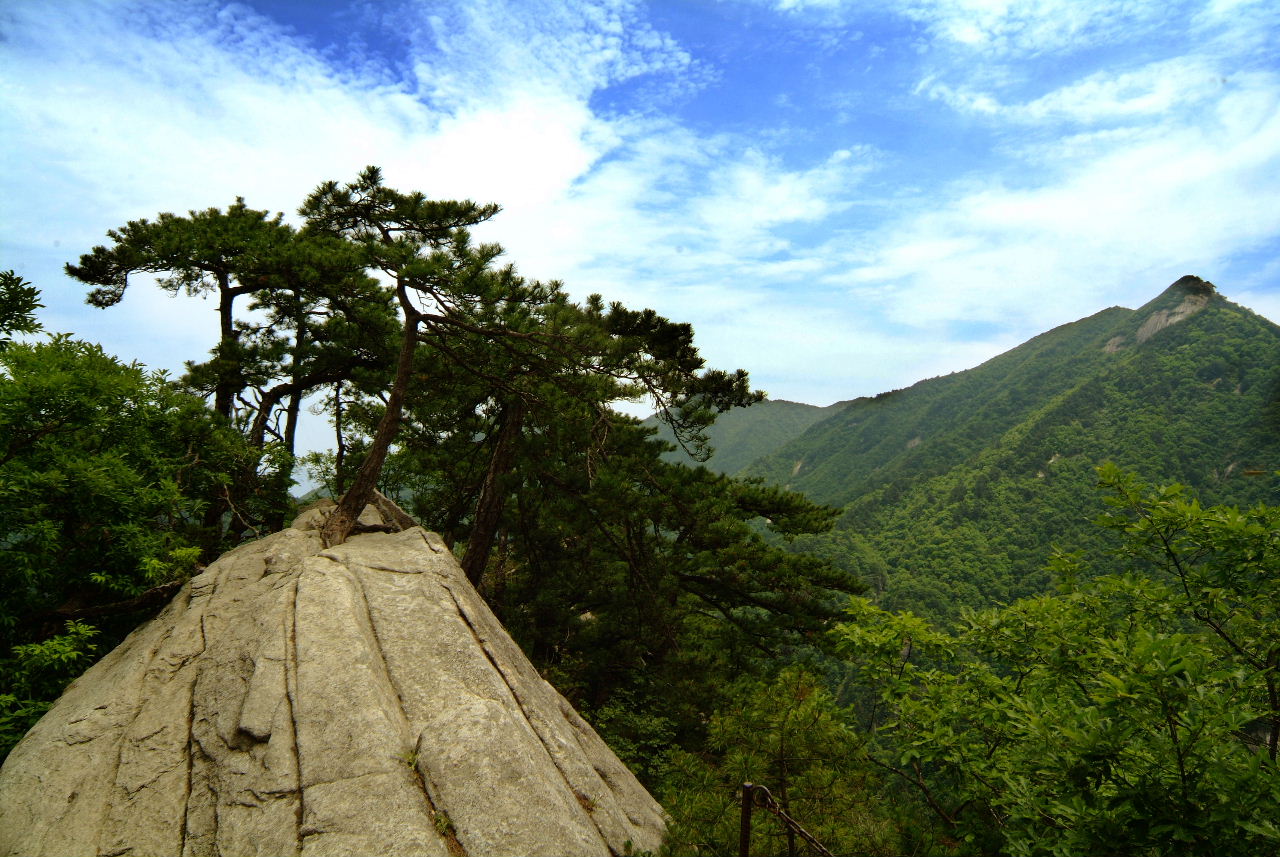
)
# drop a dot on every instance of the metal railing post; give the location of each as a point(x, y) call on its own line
point(744, 831)
point(752, 793)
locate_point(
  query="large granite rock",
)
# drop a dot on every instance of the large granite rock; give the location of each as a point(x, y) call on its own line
point(293, 699)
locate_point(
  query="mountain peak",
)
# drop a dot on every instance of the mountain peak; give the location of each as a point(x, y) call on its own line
point(1192, 284)
point(1178, 291)
point(1183, 299)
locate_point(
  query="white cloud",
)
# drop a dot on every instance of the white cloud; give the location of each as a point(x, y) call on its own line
point(1113, 182)
point(480, 50)
point(1150, 91)
point(184, 105)
point(962, 98)
point(751, 196)
point(1090, 229)
point(522, 153)
point(118, 112)
point(186, 120)
point(1029, 27)
point(1009, 28)
point(670, 209)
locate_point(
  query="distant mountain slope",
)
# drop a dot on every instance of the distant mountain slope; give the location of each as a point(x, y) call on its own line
point(957, 489)
point(743, 435)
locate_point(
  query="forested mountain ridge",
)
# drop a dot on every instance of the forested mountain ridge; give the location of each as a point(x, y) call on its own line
point(957, 490)
point(874, 437)
point(743, 435)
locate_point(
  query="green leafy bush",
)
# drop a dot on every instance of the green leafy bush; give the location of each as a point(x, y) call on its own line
point(1131, 714)
point(105, 471)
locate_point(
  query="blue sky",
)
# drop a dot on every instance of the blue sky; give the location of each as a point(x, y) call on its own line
point(842, 196)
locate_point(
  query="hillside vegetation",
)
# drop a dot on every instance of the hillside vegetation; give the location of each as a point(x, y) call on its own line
point(741, 436)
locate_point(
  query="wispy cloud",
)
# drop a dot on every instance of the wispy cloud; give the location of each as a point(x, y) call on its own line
point(483, 50)
point(1127, 172)
point(167, 105)
point(1032, 27)
point(1008, 28)
point(1150, 91)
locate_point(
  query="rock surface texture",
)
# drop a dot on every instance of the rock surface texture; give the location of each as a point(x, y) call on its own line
point(294, 699)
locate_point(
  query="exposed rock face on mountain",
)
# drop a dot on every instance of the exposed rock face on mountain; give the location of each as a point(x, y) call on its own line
point(293, 699)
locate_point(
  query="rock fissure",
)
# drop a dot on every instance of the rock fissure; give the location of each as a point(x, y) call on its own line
point(132, 790)
point(551, 755)
point(153, 733)
point(395, 570)
point(391, 679)
point(186, 798)
point(290, 699)
point(445, 829)
point(435, 548)
point(121, 741)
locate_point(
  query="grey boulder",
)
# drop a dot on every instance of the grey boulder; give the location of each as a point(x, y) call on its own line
point(293, 699)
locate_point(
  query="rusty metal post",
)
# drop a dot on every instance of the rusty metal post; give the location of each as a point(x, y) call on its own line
point(744, 834)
